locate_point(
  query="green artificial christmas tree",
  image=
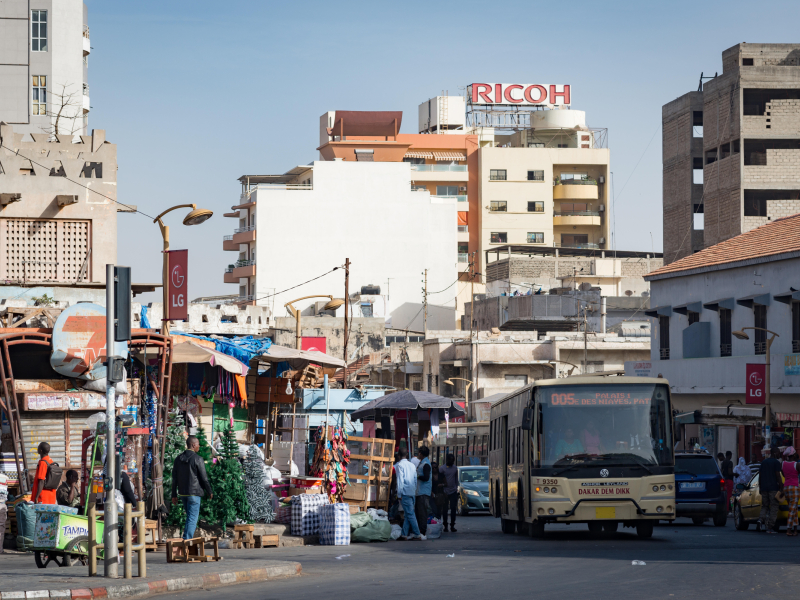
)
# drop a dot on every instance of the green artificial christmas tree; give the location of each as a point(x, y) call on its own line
point(227, 482)
point(205, 449)
point(259, 497)
point(174, 447)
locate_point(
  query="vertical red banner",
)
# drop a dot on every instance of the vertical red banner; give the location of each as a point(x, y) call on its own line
point(755, 386)
point(177, 285)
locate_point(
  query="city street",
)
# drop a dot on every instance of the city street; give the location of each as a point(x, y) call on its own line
point(682, 561)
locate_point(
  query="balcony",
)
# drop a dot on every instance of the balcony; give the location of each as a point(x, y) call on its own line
point(459, 198)
point(440, 168)
point(463, 233)
point(576, 217)
point(229, 277)
point(581, 246)
point(463, 257)
point(87, 47)
point(86, 104)
point(228, 244)
point(575, 189)
point(243, 235)
point(440, 173)
point(244, 268)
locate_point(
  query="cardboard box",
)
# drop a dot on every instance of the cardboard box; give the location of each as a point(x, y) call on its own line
point(296, 491)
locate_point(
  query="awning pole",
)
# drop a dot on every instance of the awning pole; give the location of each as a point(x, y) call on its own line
point(327, 404)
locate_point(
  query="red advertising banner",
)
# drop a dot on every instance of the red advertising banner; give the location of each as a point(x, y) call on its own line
point(177, 285)
point(314, 343)
point(755, 386)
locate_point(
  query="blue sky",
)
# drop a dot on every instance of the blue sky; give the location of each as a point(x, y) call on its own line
point(197, 93)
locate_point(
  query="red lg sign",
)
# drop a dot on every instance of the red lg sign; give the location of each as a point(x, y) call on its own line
point(177, 285)
point(755, 386)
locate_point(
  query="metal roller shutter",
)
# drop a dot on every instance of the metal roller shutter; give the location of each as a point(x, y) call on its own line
point(78, 421)
point(41, 427)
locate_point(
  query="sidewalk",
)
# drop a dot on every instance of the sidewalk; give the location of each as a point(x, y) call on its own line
point(20, 578)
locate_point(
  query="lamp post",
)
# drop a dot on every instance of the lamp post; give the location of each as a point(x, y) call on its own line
point(333, 304)
point(195, 217)
point(768, 416)
point(573, 365)
point(466, 391)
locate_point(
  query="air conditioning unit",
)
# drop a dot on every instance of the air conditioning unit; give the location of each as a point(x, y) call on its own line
point(462, 188)
point(602, 208)
point(601, 179)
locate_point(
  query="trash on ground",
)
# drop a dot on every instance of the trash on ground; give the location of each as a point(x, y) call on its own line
point(638, 562)
point(451, 556)
point(342, 556)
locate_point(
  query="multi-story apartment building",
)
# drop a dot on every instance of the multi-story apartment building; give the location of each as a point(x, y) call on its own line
point(58, 186)
point(731, 150)
point(44, 66)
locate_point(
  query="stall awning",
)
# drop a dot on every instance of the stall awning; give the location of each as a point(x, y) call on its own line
point(449, 156)
point(720, 415)
point(659, 311)
point(787, 297)
point(690, 307)
point(299, 358)
point(190, 352)
point(717, 304)
point(419, 154)
point(748, 301)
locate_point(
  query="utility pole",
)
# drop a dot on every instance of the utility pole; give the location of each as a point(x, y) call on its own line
point(471, 311)
point(585, 343)
point(110, 538)
point(346, 311)
point(425, 305)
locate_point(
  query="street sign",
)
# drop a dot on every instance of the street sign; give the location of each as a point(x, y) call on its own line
point(755, 386)
point(79, 342)
point(177, 286)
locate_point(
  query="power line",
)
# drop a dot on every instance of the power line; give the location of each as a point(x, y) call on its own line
point(291, 288)
point(133, 209)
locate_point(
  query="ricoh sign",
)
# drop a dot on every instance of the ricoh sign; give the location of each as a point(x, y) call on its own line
point(520, 94)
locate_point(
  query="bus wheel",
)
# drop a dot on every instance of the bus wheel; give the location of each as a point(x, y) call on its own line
point(645, 530)
point(595, 527)
point(508, 526)
point(536, 529)
point(610, 527)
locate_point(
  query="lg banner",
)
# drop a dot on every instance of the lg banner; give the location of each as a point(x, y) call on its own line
point(177, 293)
point(755, 386)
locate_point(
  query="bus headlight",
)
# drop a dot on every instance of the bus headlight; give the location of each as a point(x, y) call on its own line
point(660, 509)
point(551, 511)
point(553, 490)
point(546, 490)
point(655, 488)
point(663, 488)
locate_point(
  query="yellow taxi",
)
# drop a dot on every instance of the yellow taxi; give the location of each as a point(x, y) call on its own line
point(747, 506)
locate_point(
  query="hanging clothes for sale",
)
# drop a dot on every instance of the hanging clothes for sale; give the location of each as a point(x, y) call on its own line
point(241, 387)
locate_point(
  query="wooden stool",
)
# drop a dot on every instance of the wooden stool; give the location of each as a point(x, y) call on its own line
point(267, 540)
point(193, 550)
point(243, 535)
point(150, 529)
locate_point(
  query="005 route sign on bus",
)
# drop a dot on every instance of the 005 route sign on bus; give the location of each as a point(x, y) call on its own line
point(525, 94)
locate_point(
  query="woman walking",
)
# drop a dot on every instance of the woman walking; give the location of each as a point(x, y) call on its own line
point(742, 472)
point(791, 487)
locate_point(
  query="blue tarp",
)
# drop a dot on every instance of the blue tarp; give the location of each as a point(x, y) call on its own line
point(240, 348)
point(144, 321)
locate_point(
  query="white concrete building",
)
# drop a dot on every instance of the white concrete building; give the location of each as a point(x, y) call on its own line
point(698, 302)
point(44, 60)
point(314, 217)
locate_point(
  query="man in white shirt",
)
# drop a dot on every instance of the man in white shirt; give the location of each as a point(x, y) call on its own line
point(406, 474)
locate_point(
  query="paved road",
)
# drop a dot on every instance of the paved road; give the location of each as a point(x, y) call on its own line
point(682, 561)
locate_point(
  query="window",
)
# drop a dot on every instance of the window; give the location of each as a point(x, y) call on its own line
point(39, 95)
point(419, 188)
point(414, 161)
point(694, 317)
point(535, 206)
point(574, 176)
point(725, 332)
point(39, 30)
point(593, 366)
point(447, 190)
point(747, 62)
point(760, 318)
point(416, 386)
point(663, 337)
point(574, 241)
point(497, 175)
point(463, 247)
point(563, 146)
point(571, 208)
point(535, 237)
point(498, 237)
point(498, 206)
point(516, 380)
point(535, 175)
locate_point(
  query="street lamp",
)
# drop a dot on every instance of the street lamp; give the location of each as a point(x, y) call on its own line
point(768, 416)
point(573, 365)
point(466, 390)
point(195, 217)
point(332, 304)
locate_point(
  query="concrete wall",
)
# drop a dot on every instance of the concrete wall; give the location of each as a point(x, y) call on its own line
point(366, 334)
point(36, 228)
point(364, 211)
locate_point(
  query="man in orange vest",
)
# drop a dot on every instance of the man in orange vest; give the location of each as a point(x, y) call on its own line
point(39, 494)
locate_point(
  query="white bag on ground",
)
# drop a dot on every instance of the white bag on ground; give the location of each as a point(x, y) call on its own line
point(377, 514)
point(397, 531)
point(434, 531)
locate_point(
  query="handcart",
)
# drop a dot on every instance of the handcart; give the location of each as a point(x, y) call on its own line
point(61, 536)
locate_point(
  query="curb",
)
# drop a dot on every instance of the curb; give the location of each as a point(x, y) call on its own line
point(163, 586)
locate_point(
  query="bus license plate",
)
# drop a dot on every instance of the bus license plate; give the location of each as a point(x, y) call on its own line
point(698, 486)
point(605, 512)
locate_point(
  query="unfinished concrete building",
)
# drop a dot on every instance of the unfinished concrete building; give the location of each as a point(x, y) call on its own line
point(731, 152)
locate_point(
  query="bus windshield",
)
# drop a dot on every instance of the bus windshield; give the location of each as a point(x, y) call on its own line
point(608, 425)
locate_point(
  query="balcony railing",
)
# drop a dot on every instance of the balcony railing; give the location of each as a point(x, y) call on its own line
point(460, 198)
point(463, 229)
point(248, 298)
point(439, 168)
point(463, 257)
point(229, 269)
point(796, 346)
point(761, 347)
point(725, 350)
point(245, 262)
point(86, 89)
point(227, 238)
point(576, 182)
point(244, 229)
point(587, 246)
point(664, 353)
point(576, 213)
point(86, 31)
